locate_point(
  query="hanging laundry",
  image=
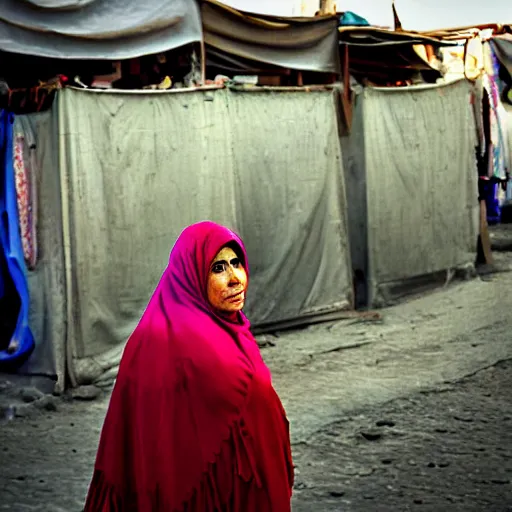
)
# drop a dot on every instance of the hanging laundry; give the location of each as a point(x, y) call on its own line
point(499, 167)
point(25, 175)
point(21, 343)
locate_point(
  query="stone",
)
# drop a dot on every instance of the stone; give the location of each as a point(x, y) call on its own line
point(265, 341)
point(85, 393)
point(5, 385)
point(46, 403)
point(299, 486)
point(25, 411)
point(31, 409)
point(29, 395)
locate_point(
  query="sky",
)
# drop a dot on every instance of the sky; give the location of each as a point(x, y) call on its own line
point(414, 14)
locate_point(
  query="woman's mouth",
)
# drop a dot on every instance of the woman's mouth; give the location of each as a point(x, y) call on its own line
point(238, 297)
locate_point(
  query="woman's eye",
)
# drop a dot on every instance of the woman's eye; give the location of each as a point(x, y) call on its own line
point(236, 263)
point(218, 268)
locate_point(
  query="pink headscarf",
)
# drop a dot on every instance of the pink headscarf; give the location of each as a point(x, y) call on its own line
point(183, 380)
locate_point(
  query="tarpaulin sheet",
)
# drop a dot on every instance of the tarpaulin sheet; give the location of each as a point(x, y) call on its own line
point(308, 44)
point(101, 29)
point(421, 182)
point(138, 168)
point(387, 56)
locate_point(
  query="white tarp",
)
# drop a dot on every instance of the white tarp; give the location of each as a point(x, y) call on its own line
point(135, 169)
point(421, 182)
point(97, 29)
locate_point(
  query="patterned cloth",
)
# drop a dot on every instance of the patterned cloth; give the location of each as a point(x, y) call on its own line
point(26, 194)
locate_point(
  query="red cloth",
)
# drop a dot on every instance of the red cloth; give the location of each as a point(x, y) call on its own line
point(194, 423)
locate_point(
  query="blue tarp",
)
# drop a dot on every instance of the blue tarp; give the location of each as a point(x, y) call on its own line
point(10, 245)
point(351, 19)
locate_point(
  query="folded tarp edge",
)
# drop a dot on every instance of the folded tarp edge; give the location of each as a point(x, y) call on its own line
point(418, 88)
point(134, 31)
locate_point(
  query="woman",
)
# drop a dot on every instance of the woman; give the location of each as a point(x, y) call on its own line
point(194, 424)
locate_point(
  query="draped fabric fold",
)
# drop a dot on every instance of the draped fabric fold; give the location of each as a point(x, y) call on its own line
point(99, 30)
point(14, 292)
point(298, 43)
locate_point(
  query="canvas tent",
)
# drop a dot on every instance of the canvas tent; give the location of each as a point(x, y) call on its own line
point(384, 56)
point(97, 29)
point(421, 184)
point(307, 44)
point(123, 173)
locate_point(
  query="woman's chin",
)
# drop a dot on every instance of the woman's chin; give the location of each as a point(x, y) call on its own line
point(236, 309)
point(230, 309)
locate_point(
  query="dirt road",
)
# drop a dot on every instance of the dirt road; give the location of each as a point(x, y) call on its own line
point(446, 450)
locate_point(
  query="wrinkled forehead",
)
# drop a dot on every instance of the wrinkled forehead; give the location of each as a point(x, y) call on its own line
point(218, 245)
point(230, 250)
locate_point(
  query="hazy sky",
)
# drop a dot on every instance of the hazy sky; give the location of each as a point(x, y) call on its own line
point(414, 14)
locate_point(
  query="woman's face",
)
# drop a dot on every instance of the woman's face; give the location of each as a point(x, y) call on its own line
point(227, 282)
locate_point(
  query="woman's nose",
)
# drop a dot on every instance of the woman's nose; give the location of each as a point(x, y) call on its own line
point(233, 276)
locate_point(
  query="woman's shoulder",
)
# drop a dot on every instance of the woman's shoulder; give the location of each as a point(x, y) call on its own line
point(161, 332)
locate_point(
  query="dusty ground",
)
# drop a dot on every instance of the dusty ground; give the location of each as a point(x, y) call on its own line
point(441, 444)
point(446, 450)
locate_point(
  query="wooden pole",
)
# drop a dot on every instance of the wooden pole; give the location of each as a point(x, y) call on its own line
point(327, 7)
point(203, 62)
point(485, 239)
